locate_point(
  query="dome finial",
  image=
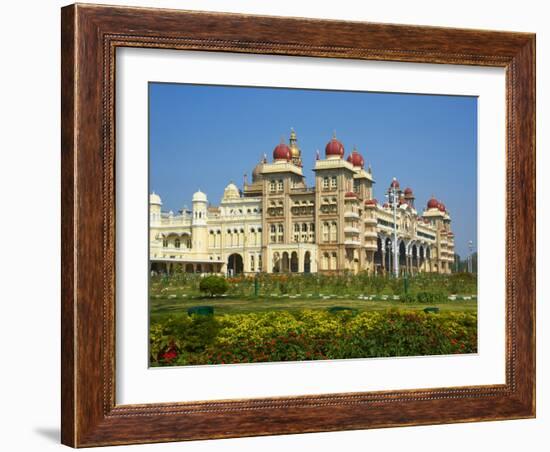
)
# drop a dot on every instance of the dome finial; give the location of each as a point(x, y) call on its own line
point(292, 136)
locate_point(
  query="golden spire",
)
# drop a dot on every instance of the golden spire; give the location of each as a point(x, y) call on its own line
point(294, 149)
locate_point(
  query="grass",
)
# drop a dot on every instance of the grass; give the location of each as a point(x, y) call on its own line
point(160, 307)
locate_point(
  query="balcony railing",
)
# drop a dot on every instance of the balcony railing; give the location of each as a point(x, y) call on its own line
point(351, 230)
point(351, 214)
point(352, 243)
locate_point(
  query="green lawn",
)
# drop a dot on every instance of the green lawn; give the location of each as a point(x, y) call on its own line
point(161, 307)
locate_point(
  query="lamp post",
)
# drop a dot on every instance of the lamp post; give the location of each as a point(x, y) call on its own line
point(470, 257)
point(393, 198)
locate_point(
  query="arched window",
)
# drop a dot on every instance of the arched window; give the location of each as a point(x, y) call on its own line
point(280, 233)
point(333, 182)
point(296, 232)
point(280, 185)
point(272, 233)
point(164, 243)
point(272, 186)
point(325, 261)
point(325, 182)
point(333, 262)
point(333, 231)
point(326, 231)
point(177, 243)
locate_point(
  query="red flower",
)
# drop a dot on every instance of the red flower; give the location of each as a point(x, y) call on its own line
point(170, 355)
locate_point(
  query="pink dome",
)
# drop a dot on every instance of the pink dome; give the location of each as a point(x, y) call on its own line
point(282, 152)
point(433, 203)
point(356, 159)
point(334, 147)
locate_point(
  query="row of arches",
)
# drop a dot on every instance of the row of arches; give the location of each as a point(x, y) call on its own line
point(177, 241)
point(412, 258)
point(286, 262)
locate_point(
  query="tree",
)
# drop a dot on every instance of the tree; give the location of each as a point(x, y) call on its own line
point(213, 285)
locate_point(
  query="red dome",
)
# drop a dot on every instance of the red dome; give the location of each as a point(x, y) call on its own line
point(442, 207)
point(408, 191)
point(371, 202)
point(394, 183)
point(334, 147)
point(282, 152)
point(433, 203)
point(386, 205)
point(356, 159)
point(350, 194)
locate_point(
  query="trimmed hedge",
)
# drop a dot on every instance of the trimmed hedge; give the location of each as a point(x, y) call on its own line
point(346, 284)
point(309, 335)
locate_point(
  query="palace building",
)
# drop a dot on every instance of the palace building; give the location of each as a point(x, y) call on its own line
point(276, 223)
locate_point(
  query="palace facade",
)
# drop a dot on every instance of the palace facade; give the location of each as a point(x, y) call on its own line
point(276, 223)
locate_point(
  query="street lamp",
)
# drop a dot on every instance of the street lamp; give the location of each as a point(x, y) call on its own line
point(470, 257)
point(393, 199)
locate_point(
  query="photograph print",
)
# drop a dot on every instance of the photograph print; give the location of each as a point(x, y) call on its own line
point(299, 225)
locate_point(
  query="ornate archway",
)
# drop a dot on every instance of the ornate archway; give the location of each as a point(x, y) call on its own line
point(235, 264)
point(285, 263)
point(307, 262)
point(294, 262)
point(276, 263)
point(414, 254)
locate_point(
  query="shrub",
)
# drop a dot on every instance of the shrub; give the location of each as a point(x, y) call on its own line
point(213, 285)
point(308, 335)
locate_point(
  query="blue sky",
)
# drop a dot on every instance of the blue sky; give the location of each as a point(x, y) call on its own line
point(206, 136)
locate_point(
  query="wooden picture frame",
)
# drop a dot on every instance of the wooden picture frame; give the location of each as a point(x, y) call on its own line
point(90, 36)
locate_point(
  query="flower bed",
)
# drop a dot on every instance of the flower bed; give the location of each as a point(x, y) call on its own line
point(308, 335)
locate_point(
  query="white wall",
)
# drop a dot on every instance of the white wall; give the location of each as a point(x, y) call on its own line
point(29, 174)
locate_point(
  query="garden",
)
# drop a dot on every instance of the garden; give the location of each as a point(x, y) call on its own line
point(198, 320)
